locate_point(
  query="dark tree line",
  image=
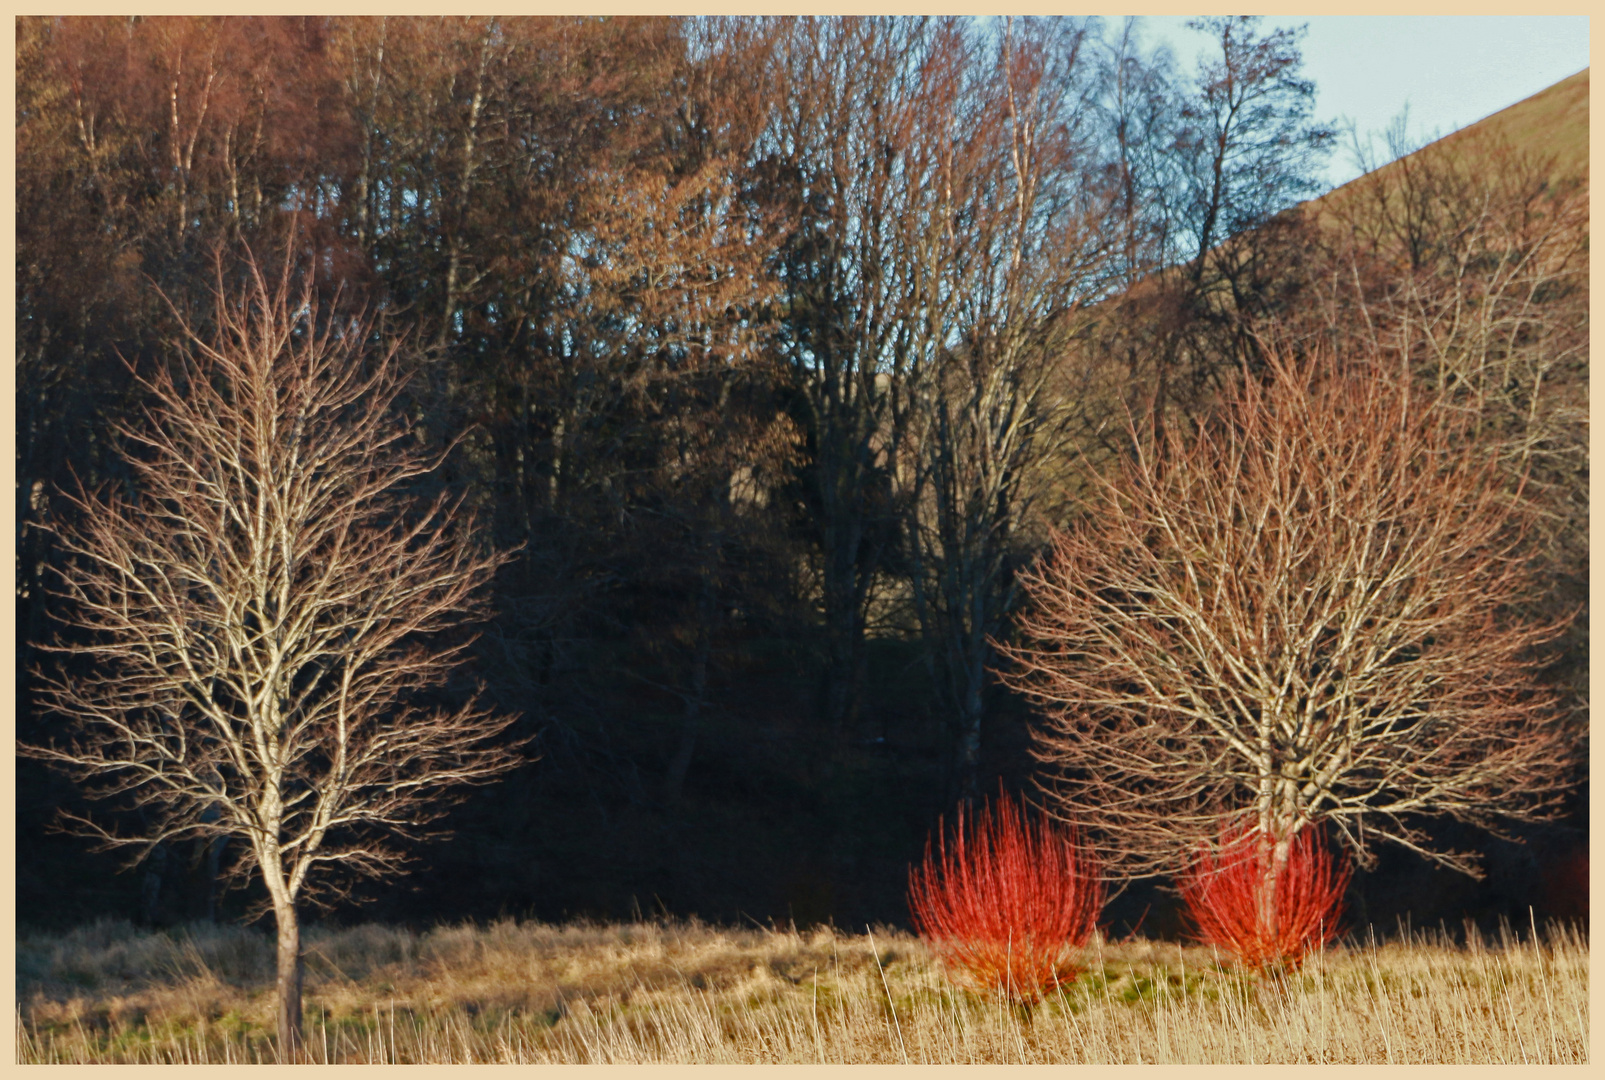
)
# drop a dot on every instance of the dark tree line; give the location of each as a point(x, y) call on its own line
point(775, 346)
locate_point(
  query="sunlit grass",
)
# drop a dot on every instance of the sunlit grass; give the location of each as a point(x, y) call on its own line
point(528, 992)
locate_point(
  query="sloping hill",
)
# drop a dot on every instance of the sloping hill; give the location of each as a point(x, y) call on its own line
point(1551, 123)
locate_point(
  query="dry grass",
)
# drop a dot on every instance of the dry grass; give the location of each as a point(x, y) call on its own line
point(515, 992)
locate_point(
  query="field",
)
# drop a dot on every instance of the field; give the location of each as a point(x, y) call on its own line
point(684, 992)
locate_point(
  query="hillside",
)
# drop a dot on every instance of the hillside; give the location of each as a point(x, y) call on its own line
point(1551, 123)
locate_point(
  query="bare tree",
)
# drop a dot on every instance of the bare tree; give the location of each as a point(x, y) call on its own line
point(1466, 263)
point(678, 291)
point(1023, 235)
point(850, 158)
point(1248, 138)
point(1245, 148)
point(1300, 612)
point(254, 629)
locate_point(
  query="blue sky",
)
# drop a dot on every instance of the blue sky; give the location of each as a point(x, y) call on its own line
point(1451, 70)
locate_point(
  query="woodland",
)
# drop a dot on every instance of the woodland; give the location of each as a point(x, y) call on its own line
point(778, 371)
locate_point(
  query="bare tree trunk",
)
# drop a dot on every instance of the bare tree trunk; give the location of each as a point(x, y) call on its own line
point(674, 784)
point(289, 982)
point(214, 861)
point(842, 676)
point(1275, 868)
point(464, 190)
point(367, 223)
point(972, 713)
point(848, 566)
point(151, 887)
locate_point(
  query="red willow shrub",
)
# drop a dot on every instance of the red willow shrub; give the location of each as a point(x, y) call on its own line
point(1006, 902)
point(1223, 897)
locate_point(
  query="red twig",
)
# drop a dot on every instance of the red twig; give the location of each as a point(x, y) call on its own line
point(1223, 893)
point(1006, 901)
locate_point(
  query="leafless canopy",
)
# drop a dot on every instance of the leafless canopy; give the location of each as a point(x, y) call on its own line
point(1299, 612)
point(1022, 236)
point(254, 629)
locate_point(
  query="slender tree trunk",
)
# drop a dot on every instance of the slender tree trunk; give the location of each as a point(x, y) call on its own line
point(289, 982)
point(464, 190)
point(971, 714)
point(844, 628)
point(674, 784)
point(841, 675)
point(151, 887)
point(214, 863)
point(1156, 408)
point(367, 220)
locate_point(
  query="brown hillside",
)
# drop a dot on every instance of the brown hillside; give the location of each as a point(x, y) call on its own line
point(1550, 123)
point(1553, 123)
point(1541, 139)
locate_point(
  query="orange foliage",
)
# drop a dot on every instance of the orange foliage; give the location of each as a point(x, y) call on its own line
point(1223, 895)
point(1007, 901)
